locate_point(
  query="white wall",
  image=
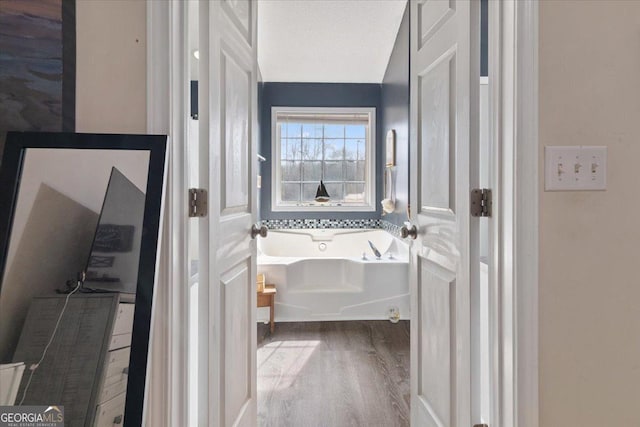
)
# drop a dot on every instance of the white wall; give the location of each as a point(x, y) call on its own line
point(589, 58)
point(111, 66)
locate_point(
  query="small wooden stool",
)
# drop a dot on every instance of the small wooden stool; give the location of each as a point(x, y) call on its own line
point(267, 298)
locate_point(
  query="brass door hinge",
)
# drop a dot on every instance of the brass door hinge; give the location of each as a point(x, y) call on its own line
point(197, 202)
point(481, 203)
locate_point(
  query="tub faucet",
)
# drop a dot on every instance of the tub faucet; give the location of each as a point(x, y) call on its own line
point(375, 250)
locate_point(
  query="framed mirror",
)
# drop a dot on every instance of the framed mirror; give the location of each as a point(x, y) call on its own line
point(80, 216)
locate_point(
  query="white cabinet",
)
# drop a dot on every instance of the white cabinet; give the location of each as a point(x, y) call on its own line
point(10, 377)
point(86, 366)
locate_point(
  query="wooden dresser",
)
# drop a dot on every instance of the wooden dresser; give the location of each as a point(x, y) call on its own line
point(86, 366)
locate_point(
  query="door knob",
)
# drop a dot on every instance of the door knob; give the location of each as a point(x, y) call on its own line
point(406, 232)
point(261, 231)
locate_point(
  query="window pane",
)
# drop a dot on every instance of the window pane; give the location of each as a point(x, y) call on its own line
point(311, 171)
point(312, 131)
point(351, 149)
point(291, 171)
point(292, 130)
point(290, 192)
point(333, 171)
point(335, 191)
point(334, 131)
point(334, 149)
point(312, 149)
point(309, 192)
point(355, 131)
point(354, 192)
point(361, 168)
point(362, 149)
point(291, 149)
point(351, 171)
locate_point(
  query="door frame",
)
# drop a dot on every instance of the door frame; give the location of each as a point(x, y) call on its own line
point(514, 129)
point(166, 392)
point(513, 39)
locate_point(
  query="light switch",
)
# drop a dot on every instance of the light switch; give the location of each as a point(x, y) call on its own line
point(575, 168)
point(595, 173)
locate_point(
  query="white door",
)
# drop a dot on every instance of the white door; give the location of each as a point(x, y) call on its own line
point(228, 167)
point(443, 118)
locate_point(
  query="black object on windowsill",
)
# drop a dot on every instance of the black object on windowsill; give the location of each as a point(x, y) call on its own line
point(321, 194)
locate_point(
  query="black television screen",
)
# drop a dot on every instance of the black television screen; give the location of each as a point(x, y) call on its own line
point(115, 253)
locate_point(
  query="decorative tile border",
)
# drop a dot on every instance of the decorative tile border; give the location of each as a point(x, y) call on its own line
point(275, 224)
point(391, 228)
point(300, 224)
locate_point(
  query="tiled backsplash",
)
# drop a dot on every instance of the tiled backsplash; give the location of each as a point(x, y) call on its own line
point(275, 224)
point(391, 228)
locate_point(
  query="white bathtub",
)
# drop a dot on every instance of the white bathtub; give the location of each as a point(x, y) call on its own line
point(320, 274)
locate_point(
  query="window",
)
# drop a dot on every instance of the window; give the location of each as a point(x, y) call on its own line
point(335, 145)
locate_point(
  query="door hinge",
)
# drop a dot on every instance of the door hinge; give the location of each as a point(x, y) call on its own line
point(197, 202)
point(481, 202)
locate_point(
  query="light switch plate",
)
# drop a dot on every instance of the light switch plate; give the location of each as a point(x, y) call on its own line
point(575, 168)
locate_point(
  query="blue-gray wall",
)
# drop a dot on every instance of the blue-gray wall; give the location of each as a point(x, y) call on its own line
point(395, 115)
point(315, 95)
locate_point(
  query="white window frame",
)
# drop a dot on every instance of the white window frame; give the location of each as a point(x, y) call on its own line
point(370, 165)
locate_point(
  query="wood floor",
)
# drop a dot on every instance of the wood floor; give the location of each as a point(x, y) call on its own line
point(334, 374)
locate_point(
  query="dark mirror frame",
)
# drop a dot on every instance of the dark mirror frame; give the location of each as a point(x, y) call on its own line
point(10, 174)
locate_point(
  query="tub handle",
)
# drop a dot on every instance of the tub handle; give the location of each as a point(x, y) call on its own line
point(261, 231)
point(406, 232)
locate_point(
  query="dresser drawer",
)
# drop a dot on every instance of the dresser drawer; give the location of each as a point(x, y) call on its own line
point(111, 413)
point(112, 390)
point(124, 319)
point(117, 365)
point(120, 341)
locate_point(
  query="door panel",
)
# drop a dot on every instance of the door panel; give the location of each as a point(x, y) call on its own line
point(239, 12)
point(228, 110)
point(235, 82)
point(432, 15)
point(437, 100)
point(235, 285)
point(443, 128)
point(437, 304)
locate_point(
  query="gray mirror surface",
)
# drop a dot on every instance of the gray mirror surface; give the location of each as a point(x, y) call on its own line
point(78, 215)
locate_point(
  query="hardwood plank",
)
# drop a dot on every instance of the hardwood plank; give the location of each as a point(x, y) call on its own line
point(334, 374)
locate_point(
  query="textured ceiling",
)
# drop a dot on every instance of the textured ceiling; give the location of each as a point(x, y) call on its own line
point(337, 41)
